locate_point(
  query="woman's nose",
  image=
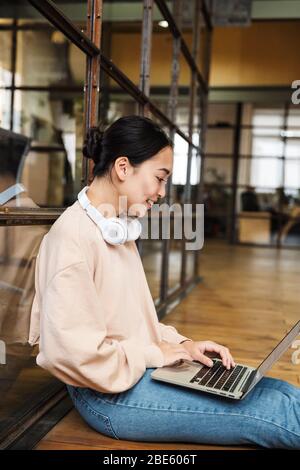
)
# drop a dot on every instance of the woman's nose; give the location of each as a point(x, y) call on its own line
point(162, 193)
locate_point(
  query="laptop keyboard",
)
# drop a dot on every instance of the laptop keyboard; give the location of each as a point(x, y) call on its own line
point(219, 377)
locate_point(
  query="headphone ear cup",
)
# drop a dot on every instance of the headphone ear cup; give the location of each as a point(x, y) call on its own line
point(134, 229)
point(114, 231)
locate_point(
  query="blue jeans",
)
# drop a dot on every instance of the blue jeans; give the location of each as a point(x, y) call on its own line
point(156, 411)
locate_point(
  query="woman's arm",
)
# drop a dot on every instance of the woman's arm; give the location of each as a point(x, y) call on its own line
point(73, 343)
point(171, 335)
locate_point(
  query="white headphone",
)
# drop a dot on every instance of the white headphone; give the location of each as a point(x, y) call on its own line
point(115, 230)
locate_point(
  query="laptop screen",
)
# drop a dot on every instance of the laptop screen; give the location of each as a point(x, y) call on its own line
point(280, 349)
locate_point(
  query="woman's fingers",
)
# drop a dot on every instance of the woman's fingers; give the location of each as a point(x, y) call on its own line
point(223, 352)
point(205, 360)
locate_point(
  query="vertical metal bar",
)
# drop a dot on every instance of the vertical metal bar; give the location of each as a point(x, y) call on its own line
point(13, 73)
point(91, 88)
point(203, 106)
point(144, 85)
point(192, 97)
point(235, 169)
point(172, 106)
point(281, 195)
point(192, 102)
point(104, 77)
point(146, 48)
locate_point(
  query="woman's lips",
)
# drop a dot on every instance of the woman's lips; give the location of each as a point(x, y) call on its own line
point(149, 204)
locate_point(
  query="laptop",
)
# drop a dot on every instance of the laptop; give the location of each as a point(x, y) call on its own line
point(233, 383)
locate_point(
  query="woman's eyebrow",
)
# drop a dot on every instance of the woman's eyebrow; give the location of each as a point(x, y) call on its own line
point(165, 169)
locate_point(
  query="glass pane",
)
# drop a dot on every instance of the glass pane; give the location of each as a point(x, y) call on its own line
point(292, 148)
point(195, 172)
point(219, 141)
point(174, 264)
point(190, 261)
point(217, 170)
point(5, 58)
point(244, 171)
point(290, 229)
point(292, 174)
point(46, 57)
point(268, 132)
point(267, 146)
point(74, 10)
point(45, 153)
point(266, 172)
point(221, 114)
point(152, 259)
point(21, 380)
point(180, 160)
point(268, 117)
point(253, 199)
point(293, 119)
point(5, 103)
point(217, 201)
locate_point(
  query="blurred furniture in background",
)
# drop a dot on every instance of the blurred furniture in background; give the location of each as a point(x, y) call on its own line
point(294, 219)
point(254, 227)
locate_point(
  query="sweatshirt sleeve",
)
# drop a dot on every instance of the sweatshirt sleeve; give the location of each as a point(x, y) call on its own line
point(73, 343)
point(171, 335)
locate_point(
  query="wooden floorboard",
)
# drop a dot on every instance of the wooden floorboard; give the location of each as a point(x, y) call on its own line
point(248, 300)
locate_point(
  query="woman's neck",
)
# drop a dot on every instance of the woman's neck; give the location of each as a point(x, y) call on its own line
point(104, 196)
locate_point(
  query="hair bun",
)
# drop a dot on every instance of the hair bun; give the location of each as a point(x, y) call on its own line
point(92, 146)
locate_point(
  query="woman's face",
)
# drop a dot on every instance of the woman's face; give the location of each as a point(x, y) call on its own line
point(145, 184)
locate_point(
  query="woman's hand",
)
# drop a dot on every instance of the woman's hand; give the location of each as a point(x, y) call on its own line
point(197, 349)
point(173, 352)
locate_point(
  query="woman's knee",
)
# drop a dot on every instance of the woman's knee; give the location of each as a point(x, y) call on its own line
point(278, 411)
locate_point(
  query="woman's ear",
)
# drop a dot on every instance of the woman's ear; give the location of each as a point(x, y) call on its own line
point(121, 167)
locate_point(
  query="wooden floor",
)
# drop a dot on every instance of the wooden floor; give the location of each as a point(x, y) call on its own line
point(248, 300)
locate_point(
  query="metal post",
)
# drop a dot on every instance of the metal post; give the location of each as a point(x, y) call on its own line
point(279, 217)
point(203, 105)
point(13, 73)
point(192, 101)
point(172, 106)
point(104, 78)
point(146, 48)
point(235, 169)
point(91, 88)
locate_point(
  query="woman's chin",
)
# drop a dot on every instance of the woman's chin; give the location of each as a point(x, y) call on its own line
point(138, 210)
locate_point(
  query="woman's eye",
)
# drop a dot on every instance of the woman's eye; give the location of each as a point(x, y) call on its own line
point(161, 179)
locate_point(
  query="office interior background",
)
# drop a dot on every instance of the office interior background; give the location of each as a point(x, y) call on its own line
point(220, 77)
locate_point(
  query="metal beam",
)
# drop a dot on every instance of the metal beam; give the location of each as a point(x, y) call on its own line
point(52, 13)
point(161, 4)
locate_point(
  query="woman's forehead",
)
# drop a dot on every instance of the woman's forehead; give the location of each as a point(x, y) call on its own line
point(164, 158)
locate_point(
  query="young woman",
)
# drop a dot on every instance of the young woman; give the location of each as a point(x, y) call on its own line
point(96, 321)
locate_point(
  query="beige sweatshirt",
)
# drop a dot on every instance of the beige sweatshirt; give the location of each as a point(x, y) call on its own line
point(93, 315)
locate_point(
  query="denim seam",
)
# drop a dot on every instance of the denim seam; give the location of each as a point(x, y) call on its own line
point(203, 413)
point(92, 411)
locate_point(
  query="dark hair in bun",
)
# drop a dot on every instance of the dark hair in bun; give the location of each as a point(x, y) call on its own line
point(137, 137)
point(92, 147)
